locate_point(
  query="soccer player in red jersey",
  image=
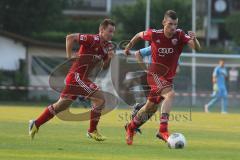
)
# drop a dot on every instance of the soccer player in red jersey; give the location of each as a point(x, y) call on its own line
point(93, 49)
point(167, 45)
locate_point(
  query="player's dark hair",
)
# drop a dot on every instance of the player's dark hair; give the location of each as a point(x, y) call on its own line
point(170, 13)
point(105, 23)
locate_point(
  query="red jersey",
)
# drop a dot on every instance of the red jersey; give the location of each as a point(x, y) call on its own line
point(166, 51)
point(90, 44)
point(90, 53)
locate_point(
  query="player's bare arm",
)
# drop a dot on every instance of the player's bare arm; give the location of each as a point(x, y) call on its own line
point(214, 79)
point(193, 43)
point(70, 39)
point(133, 41)
point(140, 60)
point(106, 63)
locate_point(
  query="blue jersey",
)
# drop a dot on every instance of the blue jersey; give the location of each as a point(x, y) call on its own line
point(145, 51)
point(146, 54)
point(220, 73)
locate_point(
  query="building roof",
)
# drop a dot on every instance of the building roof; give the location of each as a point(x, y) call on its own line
point(30, 41)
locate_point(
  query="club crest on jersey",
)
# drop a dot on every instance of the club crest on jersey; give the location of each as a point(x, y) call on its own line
point(158, 41)
point(96, 38)
point(187, 36)
point(83, 38)
point(174, 41)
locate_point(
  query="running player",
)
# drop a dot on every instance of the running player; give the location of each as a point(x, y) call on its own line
point(167, 45)
point(144, 55)
point(98, 48)
point(219, 88)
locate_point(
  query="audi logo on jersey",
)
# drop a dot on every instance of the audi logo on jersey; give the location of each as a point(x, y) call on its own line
point(164, 51)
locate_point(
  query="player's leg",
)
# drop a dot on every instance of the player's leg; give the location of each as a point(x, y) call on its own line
point(148, 109)
point(66, 98)
point(146, 89)
point(98, 104)
point(88, 89)
point(84, 101)
point(214, 100)
point(136, 108)
point(168, 94)
point(142, 116)
point(48, 113)
point(224, 101)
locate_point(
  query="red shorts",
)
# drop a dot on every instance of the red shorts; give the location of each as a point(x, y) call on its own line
point(76, 86)
point(157, 84)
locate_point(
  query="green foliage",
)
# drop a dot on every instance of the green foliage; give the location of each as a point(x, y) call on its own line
point(14, 78)
point(232, 23)
point(131, 19)
point(73, 4)
point(43, 19)
point(52, 36)
point(66, 26)
point(183, 9)
point(27, 16)
point(82, 25)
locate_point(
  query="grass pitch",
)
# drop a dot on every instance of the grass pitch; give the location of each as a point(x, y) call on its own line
point(209, 136)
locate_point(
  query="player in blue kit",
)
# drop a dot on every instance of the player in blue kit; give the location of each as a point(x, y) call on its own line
point(219, 88)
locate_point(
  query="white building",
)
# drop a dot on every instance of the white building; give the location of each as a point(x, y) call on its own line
point(14, 48)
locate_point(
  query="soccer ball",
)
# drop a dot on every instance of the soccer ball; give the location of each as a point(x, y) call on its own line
point(176, 141)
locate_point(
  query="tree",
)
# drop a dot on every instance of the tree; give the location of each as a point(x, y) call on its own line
point(131, 19)
point(27, 16)
point(232, 23)
point(41, 19)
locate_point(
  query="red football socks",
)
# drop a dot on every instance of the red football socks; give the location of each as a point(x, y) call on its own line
point(94, 118)
point(46, 115)
point(164, 122)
